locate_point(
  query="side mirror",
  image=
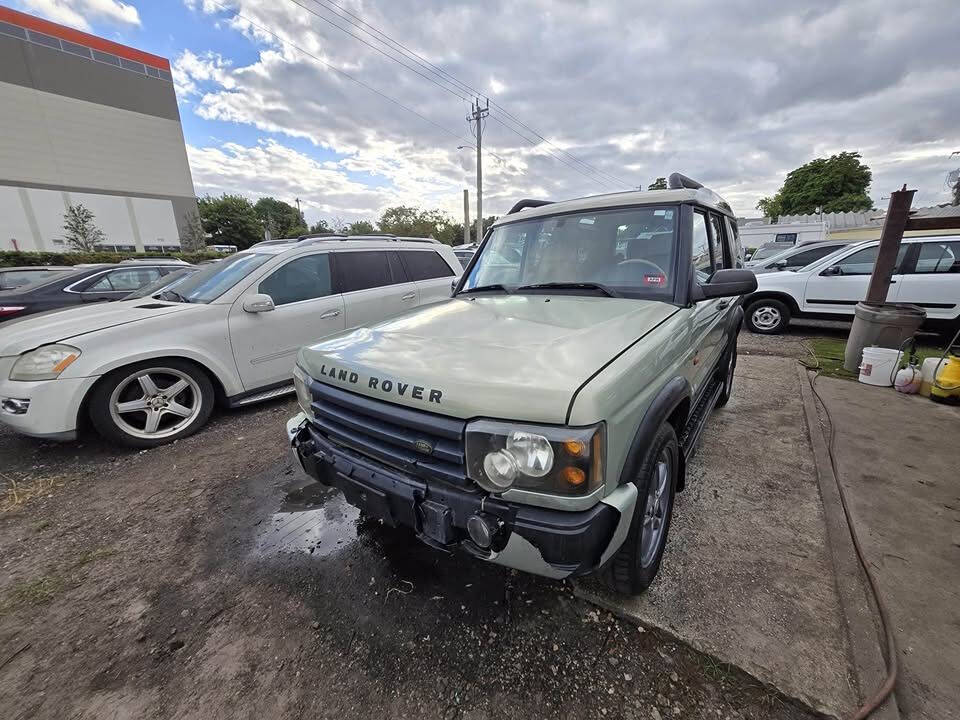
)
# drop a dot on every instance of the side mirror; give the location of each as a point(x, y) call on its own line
point(747, 255)
point(833, 270)
point(729, 282)
point(780, 264)
point(258, 303)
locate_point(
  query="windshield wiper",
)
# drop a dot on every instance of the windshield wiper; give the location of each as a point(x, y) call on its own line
point(608, 291)
point(485, 288)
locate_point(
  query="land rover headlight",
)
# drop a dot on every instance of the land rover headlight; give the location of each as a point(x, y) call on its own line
point(548, 459)
point(304, 397)
point(44, 363)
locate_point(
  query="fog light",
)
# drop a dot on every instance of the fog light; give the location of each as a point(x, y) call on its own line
point(483, 530)
point(14, 406)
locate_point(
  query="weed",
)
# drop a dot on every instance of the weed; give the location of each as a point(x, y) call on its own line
point(19, 492)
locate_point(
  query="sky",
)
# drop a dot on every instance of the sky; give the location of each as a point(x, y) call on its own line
point(586, 96)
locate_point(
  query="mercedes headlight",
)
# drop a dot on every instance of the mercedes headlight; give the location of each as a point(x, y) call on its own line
point(44, 363)
point(304, 397)
point(549, 459)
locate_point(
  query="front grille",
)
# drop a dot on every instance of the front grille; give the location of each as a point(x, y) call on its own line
point(391, 433)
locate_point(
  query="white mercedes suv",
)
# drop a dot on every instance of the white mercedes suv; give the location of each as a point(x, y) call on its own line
point(148, 371)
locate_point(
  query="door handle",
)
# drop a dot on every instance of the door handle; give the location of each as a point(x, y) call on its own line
point(329, 314)
point(893, 282)
point(409, 296)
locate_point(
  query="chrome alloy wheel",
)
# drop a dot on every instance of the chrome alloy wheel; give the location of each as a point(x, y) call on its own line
point(655, 512)
point(765, 317)
point(155, 402)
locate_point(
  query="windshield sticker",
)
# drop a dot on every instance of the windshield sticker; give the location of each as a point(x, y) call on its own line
point(654, 279)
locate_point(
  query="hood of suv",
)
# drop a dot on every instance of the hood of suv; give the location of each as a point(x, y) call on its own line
point(515, 357)
point(17, 336)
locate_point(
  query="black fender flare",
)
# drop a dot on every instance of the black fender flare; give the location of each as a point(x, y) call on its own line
point(671, 396)
point(735, 322)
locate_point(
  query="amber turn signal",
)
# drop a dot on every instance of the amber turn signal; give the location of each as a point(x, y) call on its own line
point(574, 476)
point(575, 448)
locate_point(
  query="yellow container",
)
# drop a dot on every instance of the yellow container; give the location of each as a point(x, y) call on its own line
point(946, 387)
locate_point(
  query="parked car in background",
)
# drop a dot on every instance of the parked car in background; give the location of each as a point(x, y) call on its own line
point(84, 284)
point(14, 277)
point(465, 252)
point(165, 282)
point(927, 273)
point(765, 252)
point(148, 371)
point(798, 256)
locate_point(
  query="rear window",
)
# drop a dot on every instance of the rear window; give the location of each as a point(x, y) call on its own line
point(362, 270)
point(425, 264)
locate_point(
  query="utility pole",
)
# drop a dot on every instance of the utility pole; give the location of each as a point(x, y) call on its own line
point(477, 114)
point(466, 216)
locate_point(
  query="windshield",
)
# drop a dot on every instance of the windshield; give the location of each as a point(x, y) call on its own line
point(214, 280)
point(765, 253)
point(629, 252)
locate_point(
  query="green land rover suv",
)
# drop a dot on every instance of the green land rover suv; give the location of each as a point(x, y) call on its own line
point(542, 417)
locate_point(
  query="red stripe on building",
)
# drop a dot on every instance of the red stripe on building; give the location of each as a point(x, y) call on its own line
point(81, 38)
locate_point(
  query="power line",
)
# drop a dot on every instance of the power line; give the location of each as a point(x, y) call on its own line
point(345, 74)
point(459, 86)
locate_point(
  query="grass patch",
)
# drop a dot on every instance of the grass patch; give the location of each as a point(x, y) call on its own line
point(32, 592)
point(829, 354)
point(19, 492)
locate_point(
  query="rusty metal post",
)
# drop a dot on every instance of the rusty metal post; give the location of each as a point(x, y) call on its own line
point(893, 226)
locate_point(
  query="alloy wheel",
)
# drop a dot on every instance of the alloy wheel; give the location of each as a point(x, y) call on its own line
point(765, 317)
point(155, 403)
point(655, 512)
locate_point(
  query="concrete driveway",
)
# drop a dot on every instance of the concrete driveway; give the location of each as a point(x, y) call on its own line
point(747, 575)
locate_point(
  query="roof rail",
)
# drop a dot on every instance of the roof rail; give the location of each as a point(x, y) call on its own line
point(404, 238)
point(528, 203)
point(310, 236)
point(677, 181)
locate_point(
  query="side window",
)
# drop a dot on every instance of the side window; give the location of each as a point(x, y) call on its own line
point(126, 280)
point(802, 259)
point(702, 263)
point(362, 270)
point(938, 257)
point(425, 264)
point(718, 243)
point(786, 237)
point(397, 271)
point(862, 261)
point(304, 278)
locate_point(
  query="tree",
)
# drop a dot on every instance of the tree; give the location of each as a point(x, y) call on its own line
point(80, 231)
point(659, 184)
point(414, 222)
point(320, 226)
point(360, 227)
point(192, 239)
point(282, 219)
point(230, 220)
point(956, 191)
point(835, 184)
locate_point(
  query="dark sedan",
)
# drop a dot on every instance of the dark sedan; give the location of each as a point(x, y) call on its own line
point(87, 284)
point(14, 277)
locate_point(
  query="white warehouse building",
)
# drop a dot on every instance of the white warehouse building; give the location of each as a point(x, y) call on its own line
point(88, 121)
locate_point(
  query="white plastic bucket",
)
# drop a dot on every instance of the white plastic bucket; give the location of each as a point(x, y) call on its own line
point(877, 366)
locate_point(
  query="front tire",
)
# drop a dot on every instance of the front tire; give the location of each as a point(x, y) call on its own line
point(634, 566)
point(768, 316)
point(151, 403)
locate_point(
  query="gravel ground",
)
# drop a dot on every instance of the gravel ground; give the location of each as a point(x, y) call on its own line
point(210, 579)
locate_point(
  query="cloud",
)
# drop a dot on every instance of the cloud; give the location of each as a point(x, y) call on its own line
point(75, 13)
point(734, 96)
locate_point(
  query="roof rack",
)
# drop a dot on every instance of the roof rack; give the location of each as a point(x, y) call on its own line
point(676, 181)
point(310, 236)
point(528, 203)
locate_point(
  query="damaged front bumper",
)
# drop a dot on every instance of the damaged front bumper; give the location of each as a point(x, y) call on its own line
point(552, 543)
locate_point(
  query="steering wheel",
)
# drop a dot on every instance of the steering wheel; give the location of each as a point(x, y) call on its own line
point(645, 262)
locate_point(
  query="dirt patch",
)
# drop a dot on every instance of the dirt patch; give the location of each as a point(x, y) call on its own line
point(177, 583)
